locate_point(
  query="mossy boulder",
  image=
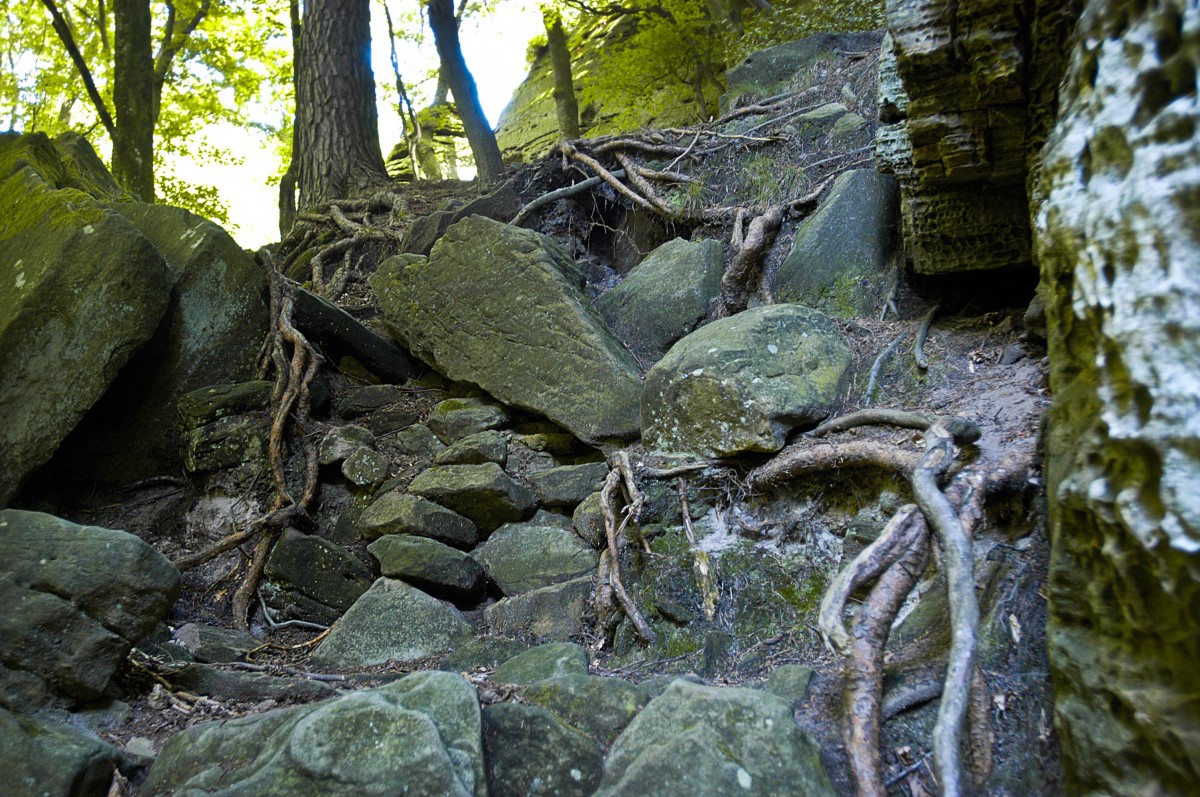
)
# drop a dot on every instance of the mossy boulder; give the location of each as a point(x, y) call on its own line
point(476, 449)
point(598, 706)
point(529, 750)
point(550, 613)
point(40, 758)
point(503, 308)
point(550, 660)
point(401, 513)
point(840, 257)
point(521, 557)
point(774, 69)
point(567, 485)
point(484, 494)
point(318, 569)
point(665, 296)
point(742, 383)
point(429, 565)
point(81, 290)
point(456, 418)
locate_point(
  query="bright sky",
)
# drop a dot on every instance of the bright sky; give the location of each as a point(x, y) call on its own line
point(494, 48)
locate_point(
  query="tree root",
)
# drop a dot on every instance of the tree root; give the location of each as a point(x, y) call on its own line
point(610, 585)
point(708, 592)
point(922, 334)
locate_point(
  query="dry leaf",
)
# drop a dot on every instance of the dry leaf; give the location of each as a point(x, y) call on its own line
point(1014, 625)
point(1000, 701)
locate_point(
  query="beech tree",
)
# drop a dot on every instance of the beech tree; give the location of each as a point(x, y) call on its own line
point(565, 103)
point(336, 122)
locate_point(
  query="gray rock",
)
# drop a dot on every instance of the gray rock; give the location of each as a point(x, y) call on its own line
point(76, 598)
point(317, 569)
point(588, 521)
point(568, 485)
point(598, 706)
point(391, 622)
point(500, 205)
point(741, 383)
point(83, 290)
point(554, 612)
point(365, 468)
point(551, 660)
point(419, 736)
point(211, 403)
point(342, 338)
point(49, 759)
point(358, 401)
point(665, 296)
point(342, 441)
point(490, 287)
point(476, 449)
point(227, 443)
point(456, 418)
point(529, 751)
point(200, 679)
point(840, 257)
point(210, 643)
point(716, 741)
point(429, 565)
point(521, 557)
point(772, 69)
point(789, 681)
point(485, 494)
point(401, 513)
point(417, 440)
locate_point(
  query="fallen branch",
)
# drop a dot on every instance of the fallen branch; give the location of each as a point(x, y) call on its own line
point(570, 151)
point(560, 193)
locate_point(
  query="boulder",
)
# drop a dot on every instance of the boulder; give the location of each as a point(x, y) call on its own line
point(456, 418)
point(476, 449)
point(341, 338)
point(568, 485)
point(665, 296)
point(551, 660)
point(365, 468)
point(552, 613)
point(598, 706)
point(419, 736)
point(840, 257)
point(588, 521)
point(401, 513)
point(76, 598)
point(227, 443)
point(490, 288)
point(530, 751)
point(742, 383)
point(696, 739)
point(342, 441)
point(391, 622)
point(521, 557)
point(211, 644)
point(207, 404)
point(83, 290)
point(1118, 249)
point(429, 565)
point(39, 758)
point(773, 69)
point(482, 493)
point(316, 569)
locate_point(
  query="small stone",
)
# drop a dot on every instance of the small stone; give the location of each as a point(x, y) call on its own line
point(554, 612)
point(365, 468)
point(211, 644)
point(476, 449)
point(401, 513)
point(342, 441)
point(429, 565)
point(588, 521)
point(789, 681)
point(456, 418)
point(417, 440)
point(483, 493)
point(521, 557)
point(317, 569)
point(569, 485)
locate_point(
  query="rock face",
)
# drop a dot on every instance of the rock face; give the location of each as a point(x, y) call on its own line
point(769, 71)
point(82, 291)
point(965, 95)
point(1118, 254)
point(665, 296)
point(39, 758)
point(704, 740)
point(489, 287)
point(76, 598)
point(839, 257)
point(420, 736)
point(741, 383)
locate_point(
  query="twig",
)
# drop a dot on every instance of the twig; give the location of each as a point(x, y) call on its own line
point(685, 153)
point(560, 193)
point(883, 357)
point(922, 333)
point(286, 623)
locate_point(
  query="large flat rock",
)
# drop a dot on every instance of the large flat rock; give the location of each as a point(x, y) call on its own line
point(503, 308)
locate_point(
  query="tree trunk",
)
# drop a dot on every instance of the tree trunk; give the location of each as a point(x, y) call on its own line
point(133, 97)
point(337, 124)
point(479, 133)
point(287, 183)
point(564, 88)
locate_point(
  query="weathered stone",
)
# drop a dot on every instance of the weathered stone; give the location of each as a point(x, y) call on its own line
point(211, 403)
point(482, 493)
point(419, 736)
point(839, 257)
point(49, 759)
point(365, 468)
point(598, 706)
point(429, 565)
point(210, 643)
point(1118, 249)
point(588, 521)
point(76, 598)
point(521, 557)
point(456, 418)
point(200, 679)
point(391, 622)
point(741, 383)
point(568, 485)
point(82, 291)
point(400, 513)
point(317, 569)
point(358, 401)
point(501, 205)
point(665, 296)
point(490, 287)
point(341, 337)
point(554, 612)
point(716, 741)
point(789, 681)
point(418, 441)
point(227, 443)
point(342, 441)
point(551, 660)
point(775, 69)
point(529, 751)
point(476, 449)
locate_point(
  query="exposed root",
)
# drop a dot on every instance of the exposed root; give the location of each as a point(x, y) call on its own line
point(922, 334)
point(739, 281)
point(561, 193)
point(610, 585)
point(883, 357)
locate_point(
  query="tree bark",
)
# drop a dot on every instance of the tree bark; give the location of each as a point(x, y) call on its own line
point(565, 103)
point(287, 183)
point(488, 162)
point(133, 97)
point(337, 124)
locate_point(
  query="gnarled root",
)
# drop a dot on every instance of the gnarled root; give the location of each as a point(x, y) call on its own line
point(613, 504)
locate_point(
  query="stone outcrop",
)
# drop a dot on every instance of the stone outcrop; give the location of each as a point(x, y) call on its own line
point(1118, 251)
point(489, 286)
point(49, 759)
point(81, 291)
point(965, 98)
point(770, 71)
point(741, 383)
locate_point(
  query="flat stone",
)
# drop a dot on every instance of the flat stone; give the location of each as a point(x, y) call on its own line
point(200, 679)
point(485, 494)
point(551, 613)
point(210, 643)
point(227, 443)
point(521, 557)
point(211, 403)
point(598, 706)
point(429, 565)
point(342, 441)
point(364, 399)
point(476, 449)
point(365, 467)
point(317, 569)
point(568, 485)
point(402, 513)
point(456, 418)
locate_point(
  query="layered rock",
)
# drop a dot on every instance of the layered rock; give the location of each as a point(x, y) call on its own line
point(1118, 251)
point(490, 287)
